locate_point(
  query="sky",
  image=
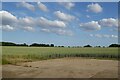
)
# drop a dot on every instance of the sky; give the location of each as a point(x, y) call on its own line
point(60, 23)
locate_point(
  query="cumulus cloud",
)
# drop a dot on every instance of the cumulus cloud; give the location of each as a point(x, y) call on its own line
point(64, 32)
point(42, 7)
point(27, 21)
point(7, 27)
point(11, 20)
point(28, 28)
point(64, 16)
point(59, 31)
point(45, 30)
point(41, 22)
point(109, 22)
point(28, 6)
point(96, 8)
point(67, 5)
point(90, 26)
point(87, 16)
point(114, 36)
point(49, 23)
point(103, 36)
point(7, 18)
point(96, 25)
point(10, 23)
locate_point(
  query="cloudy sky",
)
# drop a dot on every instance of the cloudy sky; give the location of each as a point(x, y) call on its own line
point(61, 23)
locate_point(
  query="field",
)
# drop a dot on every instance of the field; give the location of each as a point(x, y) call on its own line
point(63, 68)
point(56, 62)
point(13, 55)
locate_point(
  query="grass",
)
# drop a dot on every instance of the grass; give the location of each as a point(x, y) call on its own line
point(5, 61)
point(13, 55)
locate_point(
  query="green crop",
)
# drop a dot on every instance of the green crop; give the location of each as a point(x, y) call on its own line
point(13, 55)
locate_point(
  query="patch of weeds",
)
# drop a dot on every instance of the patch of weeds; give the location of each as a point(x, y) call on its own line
point(5, 61)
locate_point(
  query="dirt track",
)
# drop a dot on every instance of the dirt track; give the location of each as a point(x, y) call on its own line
point(63, 68)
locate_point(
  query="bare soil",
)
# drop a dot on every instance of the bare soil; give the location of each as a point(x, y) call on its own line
point(0, 71)
point(63, 68)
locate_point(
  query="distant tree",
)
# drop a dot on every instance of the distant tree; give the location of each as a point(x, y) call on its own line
point(68, 46)
point(34, 44)
point(78, 46)
point(24, 44)
point(52, 45)
point(98, 46)
point(103, 46)
point(8, 44)
point(0, 43)
point(114, 45)
point(60, 46)
point(12, 44)
point(87, 46)
point(41, 45)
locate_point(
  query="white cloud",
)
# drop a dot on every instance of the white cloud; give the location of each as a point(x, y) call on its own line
point(42, 7)
point(87, 16)
point(114, 36)
point(98, 35)
point(109, 22)
point(45, 30)
point(64, 16)
point(96, 8)
point(64, 32)
point(28, 28)
point(41, 22)
point(28, 6)
point(27, 21)
point(96, 25)
point(67, 5)
point(7, 18)
point(91, 35)
point(7, 28)
point(106, 36)
point(10, 23)
point(59, 31)
point(93, 25)
point(103, 36)
point(49, 23)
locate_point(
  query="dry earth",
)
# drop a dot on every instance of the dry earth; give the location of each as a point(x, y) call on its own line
point(0, 71)
point(63, 68)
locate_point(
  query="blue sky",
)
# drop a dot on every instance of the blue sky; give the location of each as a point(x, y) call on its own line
point(61, 23)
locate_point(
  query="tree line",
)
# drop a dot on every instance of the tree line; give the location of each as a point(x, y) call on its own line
point(49, 45)
point(24, 44)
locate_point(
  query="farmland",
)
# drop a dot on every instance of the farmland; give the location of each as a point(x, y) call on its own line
point(59, 62)
point(63, 68)
point(13, 55)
